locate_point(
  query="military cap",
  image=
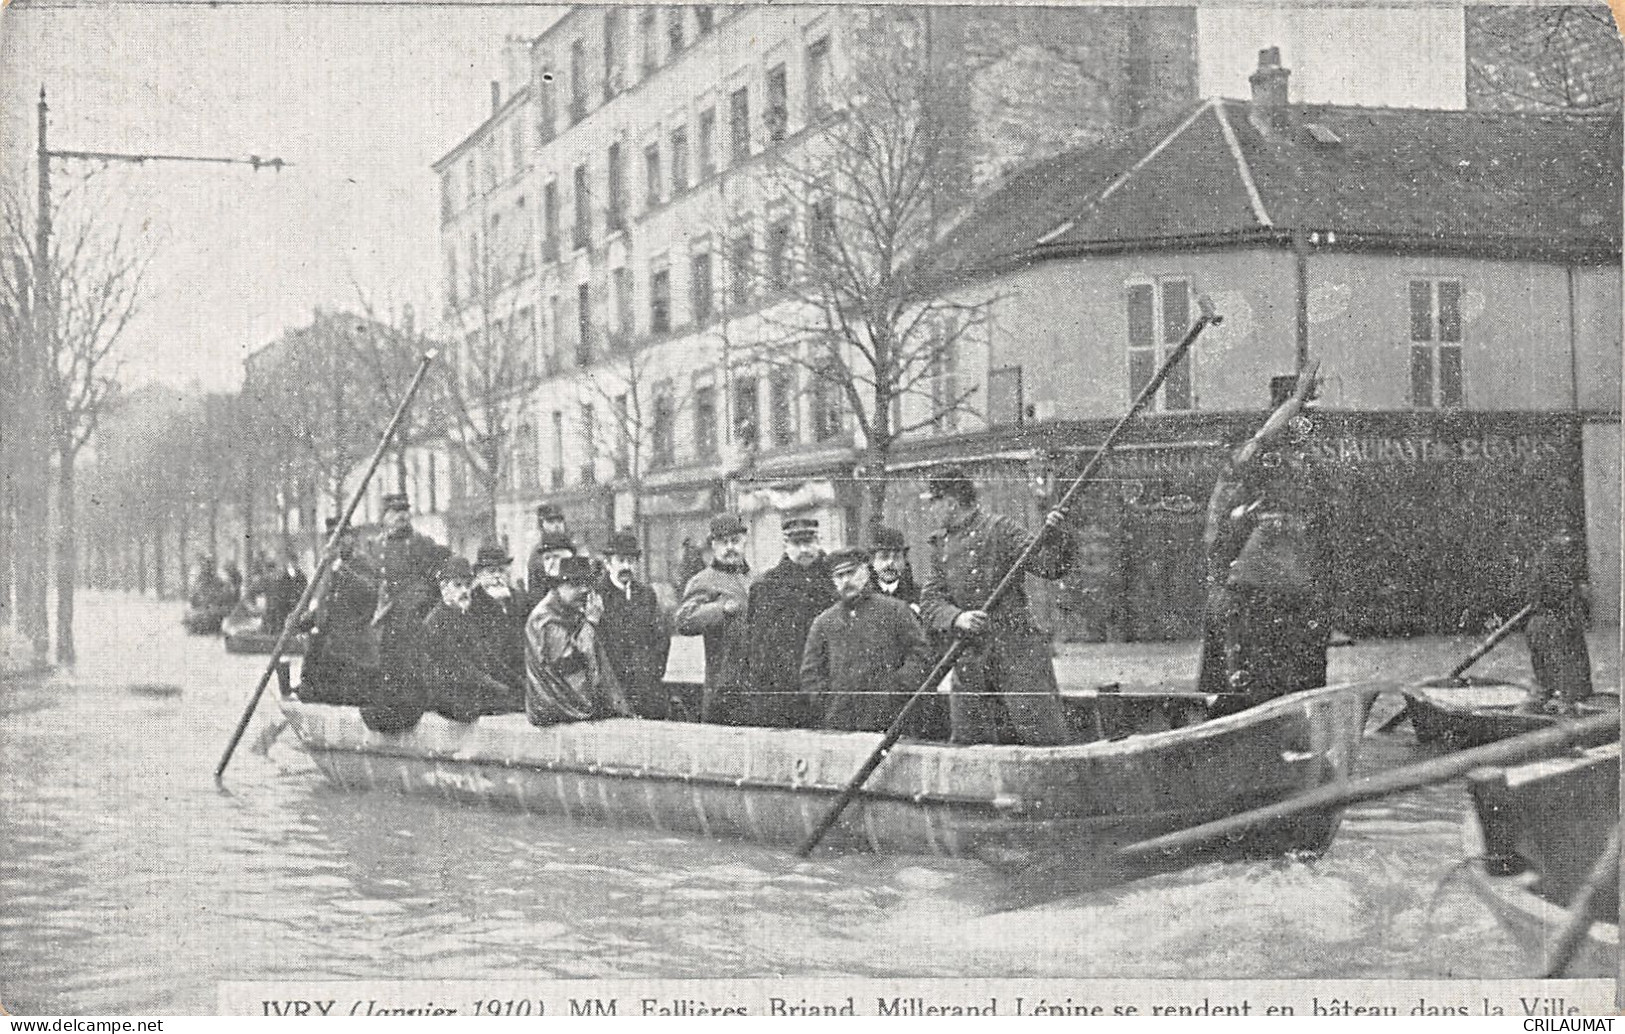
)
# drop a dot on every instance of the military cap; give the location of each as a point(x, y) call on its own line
point(397, 501)
point(951, 481)
point(454, 569)
point(623, 543)
point(577, 570)
point(799, 529)
point(491, 554)
point(549, 512)
point(726, 525)
point(890, 540)
point(843, 559)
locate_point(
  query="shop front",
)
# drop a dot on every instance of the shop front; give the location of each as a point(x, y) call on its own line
point(673, 522)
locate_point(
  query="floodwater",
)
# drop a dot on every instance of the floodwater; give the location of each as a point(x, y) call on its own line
point(130, 884)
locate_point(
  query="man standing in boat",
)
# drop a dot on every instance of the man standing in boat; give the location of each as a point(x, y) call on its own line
point(716, 605)
point(632, 629)
point(1004, 682)
point(567, 677)
point(341, 655)
point(866, 654)
point(408, 565)
point(1556, 631)
point(783, 604)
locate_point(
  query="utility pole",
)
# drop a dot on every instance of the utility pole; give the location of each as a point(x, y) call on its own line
point(36, 415)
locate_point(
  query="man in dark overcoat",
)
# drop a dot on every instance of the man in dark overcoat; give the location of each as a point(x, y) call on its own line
point(892, 574)
point(866, 654)
point(783, 604)
point(1004, 681)
point(499, 611)
point(1556, 631)
point(341, 652)
point(408, 565)
point(632, 630)
point(555, 538)
point(459, 678)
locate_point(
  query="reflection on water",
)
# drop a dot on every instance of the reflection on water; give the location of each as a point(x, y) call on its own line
point(128, 883)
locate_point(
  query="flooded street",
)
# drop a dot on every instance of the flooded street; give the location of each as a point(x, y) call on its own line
point(129, 884)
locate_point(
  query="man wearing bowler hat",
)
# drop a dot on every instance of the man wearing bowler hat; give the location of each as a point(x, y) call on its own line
point(555, 535)
point(865, 655)
point(889, 561)
point(716, 605)
point(461, 680)
point(499, 611)
point(1004, 682)
point(783, 604)
point(632, 629)
point(408, 566)
point(567, 677)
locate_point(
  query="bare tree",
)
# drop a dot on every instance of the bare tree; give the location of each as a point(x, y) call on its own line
point(863, 317)
point(73, 306)
point(1537, 58)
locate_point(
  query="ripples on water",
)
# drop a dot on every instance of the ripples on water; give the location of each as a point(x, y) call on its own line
point(129, 884)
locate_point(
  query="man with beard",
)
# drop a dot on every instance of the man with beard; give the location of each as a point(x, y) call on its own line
point(715, 605)
point(783, 604)
point(632, 630)
point(568, 679)
point(456, 683)
point(407, 564)
point(866, 655)
point(499, 612)
point(555, 536)
point(892, 574)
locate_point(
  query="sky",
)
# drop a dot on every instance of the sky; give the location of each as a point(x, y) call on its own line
point(361, 99)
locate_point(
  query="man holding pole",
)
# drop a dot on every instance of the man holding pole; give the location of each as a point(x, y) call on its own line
point(1004, 689)
point(408, 566)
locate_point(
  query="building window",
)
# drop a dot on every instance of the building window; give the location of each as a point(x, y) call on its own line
point(944, 369)
point(589, 444)
point(699, 287)
point(445, 196)
point(614, 52)
point(582, 230)
point(778, 103)
point(651, 175)
point(826, 402)
point(739, 125)
point(615, 218)
point(663, 427)
point(705, 16)
point(660, 301)
point(778, 255)
point(527, 459)
point(705, 422)
point(674, 29)
point(650, 33)
point(1159, 314)
point(818, 79)
point(583, 325)
point(578, 82)
point(1436, 381)
point(679, 160)
point(821, 239)
point(555, 337)
point(522, 342)
point(556, 475)
point(747, 417)
point(708, 143)
point(471, 179)
point(550, 221)
point(1006, 404)
point(451, 278)
point(620, 282)
point(781, 404)
point(739, 260)
point(548, 104)
point(623, 434)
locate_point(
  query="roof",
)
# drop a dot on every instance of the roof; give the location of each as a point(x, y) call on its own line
point(1226, 171)
point(481, 131)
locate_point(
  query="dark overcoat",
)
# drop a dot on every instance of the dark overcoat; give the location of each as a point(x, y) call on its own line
point(341, 655)
point(634, 637)
point(500, 626)
point(727, 638)
point(1556, 628)
point(457, 684)
point(783, 604)
point(407, 566)
point(1004, 681)
point(863, 661)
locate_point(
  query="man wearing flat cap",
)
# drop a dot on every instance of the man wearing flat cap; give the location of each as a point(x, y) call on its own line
point(865, 655)
point(499, 611)
point(567, 677)
point(408, 565)
point(715, 605)
point(632, 629)
point(1004, 682)
point(783, 604)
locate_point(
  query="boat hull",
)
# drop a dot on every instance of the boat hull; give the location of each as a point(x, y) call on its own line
point(1459, 715)
point(1003, 804)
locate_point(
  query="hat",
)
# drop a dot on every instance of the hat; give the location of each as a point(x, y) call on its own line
point(549, 512)
point(800, 529)
point(330, 523)
point(726, 525)
point(454, 569)
point(492, 555)
point(951, 481)
point(557, 540)
point(842, 559)
point(577, 570)
point(890, 540)
point(623, 543)
point(397, 501)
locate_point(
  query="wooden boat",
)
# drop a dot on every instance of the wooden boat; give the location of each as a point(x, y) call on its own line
point(1003, 804)
point(1462, 713)
point(245, 632)
point(1534, 833)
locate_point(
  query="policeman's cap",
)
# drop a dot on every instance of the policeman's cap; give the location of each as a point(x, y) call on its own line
point(951, 482)
point(846, 559)
point(800, 529)
point(397, 501)
point(726, 526)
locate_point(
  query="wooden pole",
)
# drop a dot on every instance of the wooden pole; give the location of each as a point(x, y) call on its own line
point(1604, 875)
point(329, 551)
point(945, 664)
point(1543, 743)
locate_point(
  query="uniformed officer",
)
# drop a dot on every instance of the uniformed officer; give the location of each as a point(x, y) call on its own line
point(1004, 689)
point(783, 603)
point(407, 566)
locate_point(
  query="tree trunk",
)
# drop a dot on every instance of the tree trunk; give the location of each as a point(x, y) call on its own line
point(141, 566)
point(158, 560)
point(872, 500)
point(67, 555)
point(183, 549)
point(214, 526)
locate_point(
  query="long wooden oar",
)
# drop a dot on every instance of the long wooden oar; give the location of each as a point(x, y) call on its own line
point(946, 662)
point(1604, 876)
point(329, 552)
point(1541, 743)
point(1491, 642)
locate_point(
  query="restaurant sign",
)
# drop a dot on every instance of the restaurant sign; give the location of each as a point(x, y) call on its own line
point(1424, 449)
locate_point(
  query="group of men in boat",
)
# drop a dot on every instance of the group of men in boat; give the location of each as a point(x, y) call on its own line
point(837, 640)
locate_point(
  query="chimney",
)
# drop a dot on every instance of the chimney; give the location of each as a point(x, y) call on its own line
point(496, 94)
point(1269, 82)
